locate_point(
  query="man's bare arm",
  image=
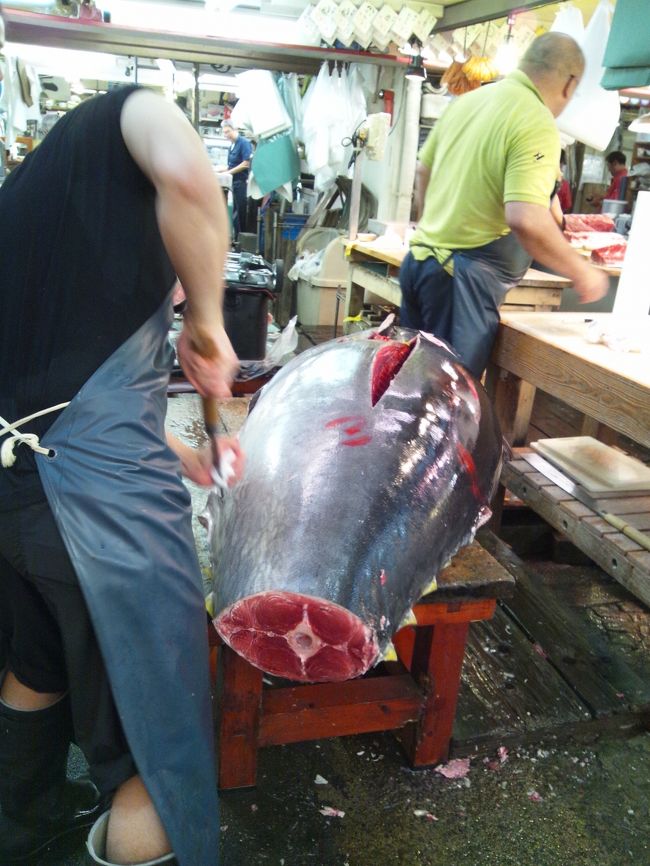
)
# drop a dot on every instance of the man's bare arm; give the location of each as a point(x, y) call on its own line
point(540, 236)
point(422, 176)
point(193, 224)
point(237, 168)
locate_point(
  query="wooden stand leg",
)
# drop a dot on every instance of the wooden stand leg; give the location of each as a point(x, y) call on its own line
point(513, 403)
point(436, 665)
point(591, 427)
point(240, 719)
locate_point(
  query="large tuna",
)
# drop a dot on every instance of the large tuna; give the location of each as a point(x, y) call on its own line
point(370, 461)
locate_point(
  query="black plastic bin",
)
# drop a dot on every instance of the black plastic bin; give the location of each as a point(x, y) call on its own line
point(245, 313)
point(251, 282)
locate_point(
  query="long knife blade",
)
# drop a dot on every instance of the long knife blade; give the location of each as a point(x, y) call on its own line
point(565, 483)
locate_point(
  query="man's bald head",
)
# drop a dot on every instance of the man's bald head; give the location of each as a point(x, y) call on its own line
point(553, 54)
point(554, 62)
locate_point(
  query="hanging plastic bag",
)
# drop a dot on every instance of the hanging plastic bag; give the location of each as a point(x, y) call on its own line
point(278, 354)
point(569, 20)
point(593, 114)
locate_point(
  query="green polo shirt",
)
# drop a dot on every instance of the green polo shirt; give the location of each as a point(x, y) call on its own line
point(491, 146)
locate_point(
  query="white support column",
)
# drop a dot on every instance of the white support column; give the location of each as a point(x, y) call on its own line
point(410, 132)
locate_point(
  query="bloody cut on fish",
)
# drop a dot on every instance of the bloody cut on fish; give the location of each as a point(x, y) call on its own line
point(370, 460)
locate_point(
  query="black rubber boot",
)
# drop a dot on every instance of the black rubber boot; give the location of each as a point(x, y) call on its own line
point(38, 803)
point(96, 845)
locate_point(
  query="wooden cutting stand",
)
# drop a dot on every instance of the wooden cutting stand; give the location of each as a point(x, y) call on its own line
point(415, 696)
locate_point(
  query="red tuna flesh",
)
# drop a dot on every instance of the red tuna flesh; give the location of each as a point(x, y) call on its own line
point(298, 636)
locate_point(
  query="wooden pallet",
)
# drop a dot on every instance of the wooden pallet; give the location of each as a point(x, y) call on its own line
point(614, 552)
point(540, 671)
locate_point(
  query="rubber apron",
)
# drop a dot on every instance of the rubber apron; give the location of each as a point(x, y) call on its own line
point(124, 514)
point(482, 278)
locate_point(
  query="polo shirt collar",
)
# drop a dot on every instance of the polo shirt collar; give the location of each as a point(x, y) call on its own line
point(521, 78)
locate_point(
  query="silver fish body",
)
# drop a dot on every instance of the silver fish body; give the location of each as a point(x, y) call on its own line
point(370, 462)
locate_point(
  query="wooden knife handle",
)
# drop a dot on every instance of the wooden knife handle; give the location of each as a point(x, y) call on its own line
point(632, 532)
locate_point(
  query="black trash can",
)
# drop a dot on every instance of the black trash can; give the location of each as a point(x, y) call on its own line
point(245, 313)
point(250, 284)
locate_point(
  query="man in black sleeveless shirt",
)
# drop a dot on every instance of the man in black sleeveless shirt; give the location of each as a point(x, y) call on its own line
point(94, 227)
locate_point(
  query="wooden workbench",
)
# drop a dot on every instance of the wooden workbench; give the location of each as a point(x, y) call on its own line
point(374, 276)
point(550, 352)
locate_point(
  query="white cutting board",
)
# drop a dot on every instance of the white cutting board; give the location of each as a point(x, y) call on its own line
point(599, 468)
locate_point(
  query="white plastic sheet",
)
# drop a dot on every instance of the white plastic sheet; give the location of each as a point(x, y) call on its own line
point(260, 107)
point(593, 114)
point(333, 108)
point(290, 92)
point(569, 20)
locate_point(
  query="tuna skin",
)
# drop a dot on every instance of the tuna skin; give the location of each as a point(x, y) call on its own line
point(370, 462)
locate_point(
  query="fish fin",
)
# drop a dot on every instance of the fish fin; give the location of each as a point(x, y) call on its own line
point(431, 587)
point(409, 619)
point(390, 653)
point(209, 604)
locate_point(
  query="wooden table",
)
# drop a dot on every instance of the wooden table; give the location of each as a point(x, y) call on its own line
point(415, 696)
point(549, 351)
point(374, 275)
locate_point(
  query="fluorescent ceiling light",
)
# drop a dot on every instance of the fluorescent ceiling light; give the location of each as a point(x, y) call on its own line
point(225, 82)
point(641, 124)
point(184, 80)
point(507, 57)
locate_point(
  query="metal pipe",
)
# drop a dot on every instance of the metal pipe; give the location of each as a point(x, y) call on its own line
point(355, 196)
point(196, 110)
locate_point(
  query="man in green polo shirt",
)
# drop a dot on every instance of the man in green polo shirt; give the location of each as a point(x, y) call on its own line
point(483, 186)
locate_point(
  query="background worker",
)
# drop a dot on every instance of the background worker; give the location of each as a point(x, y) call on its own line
point(102, 617)
point(564, 194)
point(239, 161)
point(483, 185)
point(616, 166)
point(562, 199)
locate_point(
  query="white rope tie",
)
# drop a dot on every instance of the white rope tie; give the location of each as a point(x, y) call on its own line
point(7, 453)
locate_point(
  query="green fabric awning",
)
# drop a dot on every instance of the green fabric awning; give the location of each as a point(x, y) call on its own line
point(627, 57)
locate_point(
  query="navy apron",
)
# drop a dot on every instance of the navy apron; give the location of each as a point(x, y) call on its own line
point(114, 488)
point(463, 309)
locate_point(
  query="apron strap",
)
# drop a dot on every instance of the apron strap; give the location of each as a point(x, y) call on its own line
point(7, 453)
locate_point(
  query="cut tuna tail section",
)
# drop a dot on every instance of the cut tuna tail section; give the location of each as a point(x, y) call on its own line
point(298, 636)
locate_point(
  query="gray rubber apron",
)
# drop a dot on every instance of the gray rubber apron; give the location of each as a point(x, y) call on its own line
point(482, 278)
point(124, 514)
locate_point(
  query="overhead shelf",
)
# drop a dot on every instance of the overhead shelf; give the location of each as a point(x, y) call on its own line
point(59, 32)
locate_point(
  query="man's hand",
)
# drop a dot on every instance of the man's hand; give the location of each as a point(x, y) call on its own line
point(540, 236)
point(196, 463)
point(592, 286)
point(207, 358)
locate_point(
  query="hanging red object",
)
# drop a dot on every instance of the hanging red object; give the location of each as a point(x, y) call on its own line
point(389, 102)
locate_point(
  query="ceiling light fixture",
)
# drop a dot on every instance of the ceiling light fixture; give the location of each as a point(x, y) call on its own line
point(415, 70)
point(641, 124)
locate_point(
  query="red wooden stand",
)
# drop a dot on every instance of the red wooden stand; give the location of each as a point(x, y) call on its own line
point(416, 696)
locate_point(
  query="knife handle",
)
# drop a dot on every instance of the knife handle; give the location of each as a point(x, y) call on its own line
point(210, 415)
point(636, 535)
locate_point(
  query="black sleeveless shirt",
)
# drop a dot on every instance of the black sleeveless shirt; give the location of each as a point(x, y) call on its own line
point(82, 266)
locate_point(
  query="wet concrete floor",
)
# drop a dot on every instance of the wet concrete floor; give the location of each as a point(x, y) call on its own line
point(543, 806)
